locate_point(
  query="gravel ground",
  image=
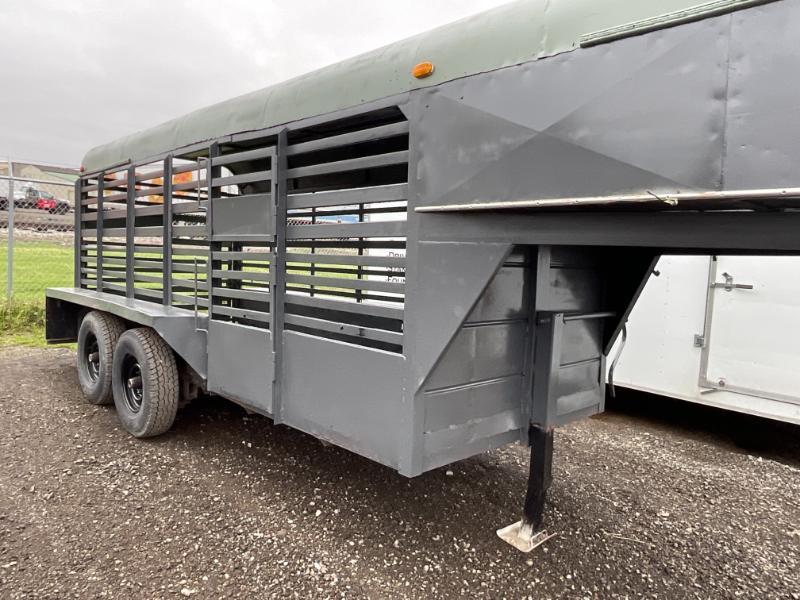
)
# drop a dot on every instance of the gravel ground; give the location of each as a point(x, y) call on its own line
point(228, 505)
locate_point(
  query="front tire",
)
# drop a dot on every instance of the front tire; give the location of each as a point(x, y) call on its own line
point(145, 383)
point(97, 338)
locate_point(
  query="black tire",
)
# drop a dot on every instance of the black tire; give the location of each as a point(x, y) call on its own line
point(97, 339)
point(145, 383)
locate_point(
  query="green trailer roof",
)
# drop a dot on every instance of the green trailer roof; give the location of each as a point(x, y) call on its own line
point(510, 34)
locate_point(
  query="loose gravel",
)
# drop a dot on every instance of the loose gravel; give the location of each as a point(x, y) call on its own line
point(228, 505)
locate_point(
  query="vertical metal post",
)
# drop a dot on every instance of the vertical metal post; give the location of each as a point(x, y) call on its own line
point(101, 181)
point(360, 270)
point(212, 173)
point(10, 253)
point(540, 477)
point(278, 268)
point(78, 232)
point(166, 246)
point(130, 231)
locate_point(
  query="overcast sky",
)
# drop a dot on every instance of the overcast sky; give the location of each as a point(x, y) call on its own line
point(77, 73)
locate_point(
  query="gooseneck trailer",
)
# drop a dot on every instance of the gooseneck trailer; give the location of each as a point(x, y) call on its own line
point(427, 252)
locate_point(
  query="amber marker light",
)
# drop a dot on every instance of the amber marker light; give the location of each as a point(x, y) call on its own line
point(423, 70)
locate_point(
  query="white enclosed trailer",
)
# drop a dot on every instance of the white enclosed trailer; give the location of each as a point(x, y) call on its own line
point(721, 331)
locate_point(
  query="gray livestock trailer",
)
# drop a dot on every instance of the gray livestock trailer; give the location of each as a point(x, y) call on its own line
point(426, 252)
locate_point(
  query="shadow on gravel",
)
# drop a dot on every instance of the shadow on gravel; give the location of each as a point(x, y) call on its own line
point(736, 431)
point(480, 493)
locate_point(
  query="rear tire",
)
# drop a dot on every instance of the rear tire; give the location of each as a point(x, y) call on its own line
point(97, 338)
point(145, 383)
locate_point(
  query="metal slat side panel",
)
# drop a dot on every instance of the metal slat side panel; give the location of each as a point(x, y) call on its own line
point(78, 233)
point(130, 226)
point(351, 284)
point(334, 231)
point(345, 329)
point(211, 174)
point(369, 195)
point(343, 259)
point(278, 269)
point(167, 248)
point(346, 228)
point(99, 226)
point(364, 135)
point(354, 164)
point(217, 182)
point(374, 310)
point(244, 156)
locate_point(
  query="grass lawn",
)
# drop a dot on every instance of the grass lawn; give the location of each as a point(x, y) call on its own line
point(37, 265)
point(42, 264)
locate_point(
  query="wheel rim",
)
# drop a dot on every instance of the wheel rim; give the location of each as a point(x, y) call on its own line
point(134, 386)
point(91, 353)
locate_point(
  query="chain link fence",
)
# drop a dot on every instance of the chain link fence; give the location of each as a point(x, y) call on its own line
point(37, 217)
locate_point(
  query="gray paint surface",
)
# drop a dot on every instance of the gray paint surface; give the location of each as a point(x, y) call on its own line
point(518, 32)
point(241, 365)
point(480, 356)
point(343, 393)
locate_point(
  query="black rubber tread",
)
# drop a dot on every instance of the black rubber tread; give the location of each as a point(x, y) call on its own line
point(107, 329)
point(161, 383)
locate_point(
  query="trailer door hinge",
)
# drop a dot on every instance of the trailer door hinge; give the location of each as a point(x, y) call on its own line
point(699, 340)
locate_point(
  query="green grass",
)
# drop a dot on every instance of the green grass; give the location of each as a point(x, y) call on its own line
point(41, 264)
point(21, 323)
point(37, 266)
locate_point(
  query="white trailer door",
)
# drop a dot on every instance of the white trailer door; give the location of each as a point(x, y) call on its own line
point(752, 343)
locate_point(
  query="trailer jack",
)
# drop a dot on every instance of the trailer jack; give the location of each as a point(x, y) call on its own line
point(527, 534)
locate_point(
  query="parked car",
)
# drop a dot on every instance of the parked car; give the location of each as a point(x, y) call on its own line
point(30, 197)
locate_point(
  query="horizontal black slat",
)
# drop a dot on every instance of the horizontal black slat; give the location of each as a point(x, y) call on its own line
point(368, 195)
point(347, 230)
point(352, 164)
point(345, 139)
point(380, 335)
point(344, 283)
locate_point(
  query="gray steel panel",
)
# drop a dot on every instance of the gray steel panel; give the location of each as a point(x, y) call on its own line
point(582, 340)
point(577, 386)
point(240, 364)
point(440, 296)
point(731, 232)
point(763, 120)
point(244, 216)
point(573, 125)
point(479, 354)
point(470, 402)
point(455, 438)
point(568, 289)
point(505, 297)
point(323, 396)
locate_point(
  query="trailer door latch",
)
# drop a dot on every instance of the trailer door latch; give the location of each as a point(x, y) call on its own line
point(729, 285)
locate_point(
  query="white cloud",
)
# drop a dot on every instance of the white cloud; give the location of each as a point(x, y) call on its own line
point(77, 73)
